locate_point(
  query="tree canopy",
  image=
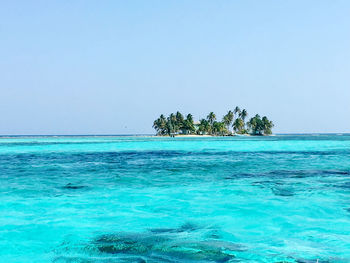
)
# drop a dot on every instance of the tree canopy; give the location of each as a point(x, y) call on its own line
point(176, 123)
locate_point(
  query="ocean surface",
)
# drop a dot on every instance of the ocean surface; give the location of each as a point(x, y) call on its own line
point(92, 199)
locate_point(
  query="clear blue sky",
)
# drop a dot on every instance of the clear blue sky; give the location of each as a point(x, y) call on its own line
point(111, 67)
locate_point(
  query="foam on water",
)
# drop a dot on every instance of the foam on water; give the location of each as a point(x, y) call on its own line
point(138, 199)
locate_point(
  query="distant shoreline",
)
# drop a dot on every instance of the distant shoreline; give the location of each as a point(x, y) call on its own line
point(165, 136)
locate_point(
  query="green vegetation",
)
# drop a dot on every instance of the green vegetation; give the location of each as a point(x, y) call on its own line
point(232, 123)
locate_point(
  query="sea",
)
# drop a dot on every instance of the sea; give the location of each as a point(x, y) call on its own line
point(87, 199)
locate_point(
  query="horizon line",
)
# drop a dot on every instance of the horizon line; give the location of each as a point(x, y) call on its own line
point(150, 134)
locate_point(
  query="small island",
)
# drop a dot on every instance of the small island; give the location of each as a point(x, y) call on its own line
point(233, 123)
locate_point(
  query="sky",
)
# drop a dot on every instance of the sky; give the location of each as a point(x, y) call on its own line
point(112, 67)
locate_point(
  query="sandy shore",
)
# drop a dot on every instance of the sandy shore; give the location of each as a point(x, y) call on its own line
point(199, 136)
point(193, 135)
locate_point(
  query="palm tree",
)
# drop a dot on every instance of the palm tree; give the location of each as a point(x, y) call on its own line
point(172, 124)
point(179, 118)
point(238, 126)
point(188, 124)
point(204, 127)
point(267, 125)
point(243, 114)
point(156, 126)
point(236, 111)
point(160, 125)
point(189, 117)
point(256, 125)
point(219, 128)
point(211, 118)
point(172, 117)
point(179, 122)
point(227, 119)
point(170, 128)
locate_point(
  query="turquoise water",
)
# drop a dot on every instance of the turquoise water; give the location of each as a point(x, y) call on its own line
point(138, 199)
